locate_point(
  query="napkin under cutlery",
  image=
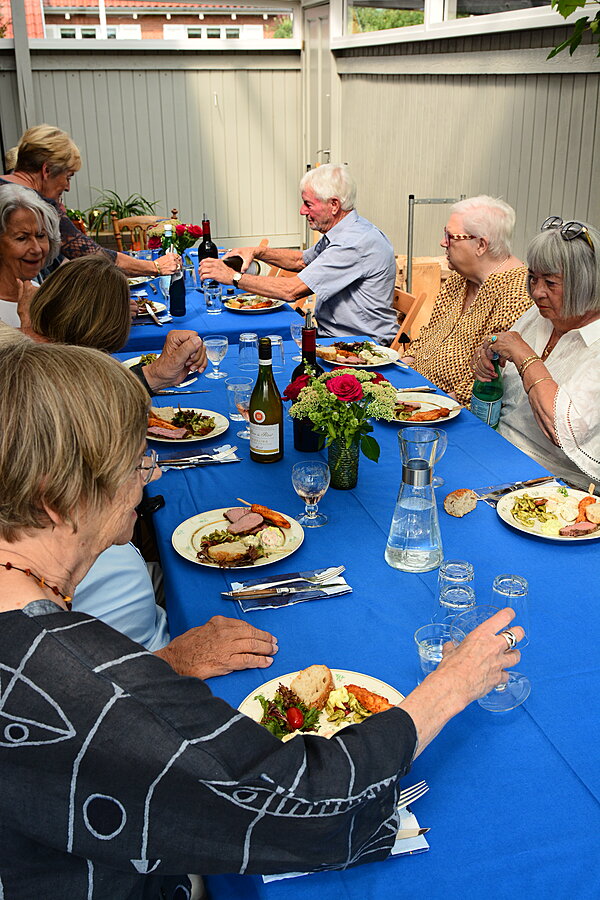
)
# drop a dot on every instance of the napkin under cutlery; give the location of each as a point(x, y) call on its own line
point(261, 593)
point(218, 455)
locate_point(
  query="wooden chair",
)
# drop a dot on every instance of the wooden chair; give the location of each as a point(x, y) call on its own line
point(408, 307)
point(136, 227)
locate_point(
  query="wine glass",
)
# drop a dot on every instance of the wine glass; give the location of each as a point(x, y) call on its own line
point(437, 480)
point(216, 348)
point(518, 687)
point(311, 480)
point(242, 394)
point(296, 333)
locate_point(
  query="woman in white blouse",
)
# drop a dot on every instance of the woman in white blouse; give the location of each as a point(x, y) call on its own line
point(29, 240)
point(550, 408)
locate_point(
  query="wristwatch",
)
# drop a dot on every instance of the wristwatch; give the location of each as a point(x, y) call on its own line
point(236, 278)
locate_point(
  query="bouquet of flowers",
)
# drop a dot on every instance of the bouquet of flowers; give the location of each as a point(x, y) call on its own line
point(184, 236)
point(340, 403)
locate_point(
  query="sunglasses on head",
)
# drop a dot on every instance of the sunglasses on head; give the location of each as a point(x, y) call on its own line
point(568, 230)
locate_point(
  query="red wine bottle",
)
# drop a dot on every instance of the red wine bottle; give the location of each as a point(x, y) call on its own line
point(207, 249)
point(305, 439)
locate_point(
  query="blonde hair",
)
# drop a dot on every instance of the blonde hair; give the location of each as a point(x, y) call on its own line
point(10, 160)
point(78, 420)
point(84, 302)
point(47, 144)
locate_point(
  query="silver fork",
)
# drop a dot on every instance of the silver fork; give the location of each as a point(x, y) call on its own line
point(409, 795)
point(313, 579)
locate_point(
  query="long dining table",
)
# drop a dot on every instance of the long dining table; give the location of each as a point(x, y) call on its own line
point(514, 799)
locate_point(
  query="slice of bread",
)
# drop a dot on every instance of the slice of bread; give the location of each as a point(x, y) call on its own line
point(227, 553)
point(313, 686)
point(460, 502)
point(592, 513)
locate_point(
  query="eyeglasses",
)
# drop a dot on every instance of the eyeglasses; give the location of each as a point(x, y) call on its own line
point(148, 465)
point(568, 230)
point(458, 237)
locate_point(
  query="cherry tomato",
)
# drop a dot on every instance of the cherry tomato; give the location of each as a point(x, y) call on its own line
point(295, 718)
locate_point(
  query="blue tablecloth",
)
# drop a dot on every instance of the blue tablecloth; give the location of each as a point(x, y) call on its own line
point(150, 337)
point(514, 805)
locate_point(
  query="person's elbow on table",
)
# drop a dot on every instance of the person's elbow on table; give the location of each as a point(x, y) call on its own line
point(221, 646)
point(467, 672)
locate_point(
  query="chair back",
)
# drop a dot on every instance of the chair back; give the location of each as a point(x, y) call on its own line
point(407, 307)
point(136, 228)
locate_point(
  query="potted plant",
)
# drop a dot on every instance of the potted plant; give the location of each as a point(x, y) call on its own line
point(134, 205)
point(340, 405)
point(77, 217)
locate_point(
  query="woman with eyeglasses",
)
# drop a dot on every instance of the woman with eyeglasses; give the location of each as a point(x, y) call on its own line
point(486, 293)
point(550, 407)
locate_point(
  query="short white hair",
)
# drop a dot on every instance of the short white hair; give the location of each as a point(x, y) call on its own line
point(331, 180)
point(14, 197)
point(488, 217)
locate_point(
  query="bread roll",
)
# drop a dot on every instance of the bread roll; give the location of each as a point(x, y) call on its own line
point(313, 686)
point(592, 512)
point(460, 502)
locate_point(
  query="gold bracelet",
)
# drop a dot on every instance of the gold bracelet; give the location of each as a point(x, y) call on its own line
point(528, 362)
point(545, 378)
point(157, 267)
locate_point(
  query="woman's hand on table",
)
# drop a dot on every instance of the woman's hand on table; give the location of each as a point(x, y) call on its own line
point(183, 352)
point(467, 671)
point(221, 646)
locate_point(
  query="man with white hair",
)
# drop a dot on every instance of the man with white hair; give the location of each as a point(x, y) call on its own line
point(351, 268)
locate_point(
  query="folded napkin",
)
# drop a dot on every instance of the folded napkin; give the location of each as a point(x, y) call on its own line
point(293, 593)
point(402, 847)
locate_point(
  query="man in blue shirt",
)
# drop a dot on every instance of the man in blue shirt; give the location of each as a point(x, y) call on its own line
point(351, 268)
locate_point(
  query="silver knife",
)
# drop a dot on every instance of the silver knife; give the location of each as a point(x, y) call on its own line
point(495, 489)
point(279, 592)
point(421, 388)
point(152, 314)
point(174, 393)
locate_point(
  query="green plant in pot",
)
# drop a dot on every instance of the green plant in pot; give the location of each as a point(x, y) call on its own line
point(134, 205)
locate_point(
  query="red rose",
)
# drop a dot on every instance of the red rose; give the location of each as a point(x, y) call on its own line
point(154, 243)
point(195, 230)
point(293, 390)
point(345, 387)
point(377, 378)
point(180, 229)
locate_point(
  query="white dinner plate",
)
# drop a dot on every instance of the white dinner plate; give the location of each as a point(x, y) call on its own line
point(221, 425)
point(428, 401)
point(252, 708)
point(389, 357)
point(187, 536)
point(139, 279)
point(136, 359)
point(275, 304)
point(506, 503)
point(159, 309)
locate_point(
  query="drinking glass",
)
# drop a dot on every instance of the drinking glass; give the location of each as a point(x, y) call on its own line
point(512, 590)
point(164, 283)
point(278, 355)
point(430, 640)
point(242, 394)
point(189, 275)
point(216, 348)
point(296, 333)
point(238, 381)
point(455, 592)
point(248, 352)
point(311, 480)
point(212, 296)
point(504, 696)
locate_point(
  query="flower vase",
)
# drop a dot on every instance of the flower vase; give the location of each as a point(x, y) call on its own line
point(343, 464)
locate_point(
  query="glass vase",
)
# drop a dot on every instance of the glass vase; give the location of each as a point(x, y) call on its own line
point(343, 464)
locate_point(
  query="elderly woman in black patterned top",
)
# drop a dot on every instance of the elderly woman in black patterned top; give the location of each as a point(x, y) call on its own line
point(487, 292)
point(47, 159)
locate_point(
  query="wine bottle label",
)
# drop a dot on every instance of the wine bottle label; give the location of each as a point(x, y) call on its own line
point(264, 439)
point(487, 411)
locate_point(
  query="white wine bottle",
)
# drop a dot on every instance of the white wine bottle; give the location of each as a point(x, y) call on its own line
point(266, 411)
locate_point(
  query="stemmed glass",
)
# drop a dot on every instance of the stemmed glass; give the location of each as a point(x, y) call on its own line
point(296, 333)
point(518, 687)
point(311, 480)
point(242, 394)
point(216, 348)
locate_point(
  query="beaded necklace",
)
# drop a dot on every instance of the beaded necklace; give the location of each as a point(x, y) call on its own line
point(41, 581)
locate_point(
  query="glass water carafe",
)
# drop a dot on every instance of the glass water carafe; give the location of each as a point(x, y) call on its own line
point(414, 542)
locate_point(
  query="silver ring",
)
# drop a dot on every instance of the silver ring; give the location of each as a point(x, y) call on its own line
point(511, 638)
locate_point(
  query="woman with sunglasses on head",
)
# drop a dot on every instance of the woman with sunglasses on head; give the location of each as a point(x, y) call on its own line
point(550, 405)
point(486, 293)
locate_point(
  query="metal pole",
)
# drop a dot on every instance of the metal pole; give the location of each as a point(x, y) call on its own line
point(409, 248)
point(27, 109)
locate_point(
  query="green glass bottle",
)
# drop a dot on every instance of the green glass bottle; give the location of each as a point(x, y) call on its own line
point(486, 401)
point(266, 411)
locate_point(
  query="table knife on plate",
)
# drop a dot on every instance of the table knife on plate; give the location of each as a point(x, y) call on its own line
point(152, 314)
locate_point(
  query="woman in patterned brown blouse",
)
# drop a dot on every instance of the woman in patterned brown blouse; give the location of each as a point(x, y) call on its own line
point(486, 293)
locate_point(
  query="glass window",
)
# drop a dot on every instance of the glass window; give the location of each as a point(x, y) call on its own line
point(213, 32)
point(364, 16)
point(111, 34)
point(88, 33)
point(232, 32)
point(194, 32)
point(461, 9)
point(67, 33)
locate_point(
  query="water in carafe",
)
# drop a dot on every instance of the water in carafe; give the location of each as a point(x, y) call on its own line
point(414, 542)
